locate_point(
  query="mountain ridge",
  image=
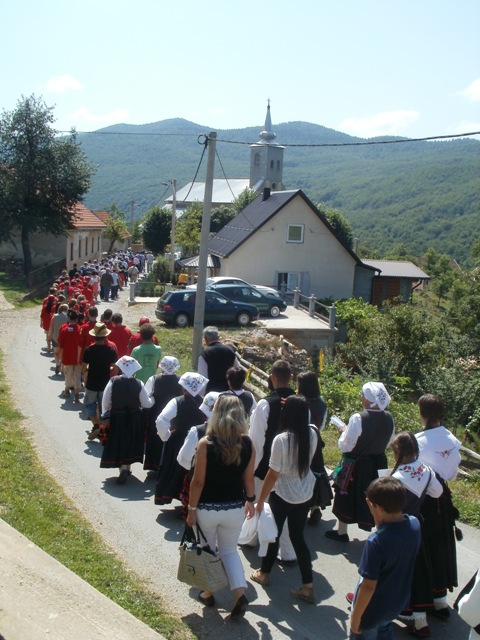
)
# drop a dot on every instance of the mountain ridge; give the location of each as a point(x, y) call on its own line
point(418, 194)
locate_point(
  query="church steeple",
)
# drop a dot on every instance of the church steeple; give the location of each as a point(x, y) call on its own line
point(266, 159)
point(267, 136)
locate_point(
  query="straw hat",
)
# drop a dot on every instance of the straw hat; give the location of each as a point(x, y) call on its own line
point(100, 330)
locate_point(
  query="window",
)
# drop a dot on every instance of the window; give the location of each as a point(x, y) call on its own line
point(71, 250)
point(295, 233)
point(256, 160)
point(92, 245)
point(80, 248)
point(98, 243)
point(86, 247)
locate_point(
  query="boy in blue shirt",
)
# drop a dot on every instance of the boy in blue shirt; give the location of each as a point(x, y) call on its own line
point(386, 565)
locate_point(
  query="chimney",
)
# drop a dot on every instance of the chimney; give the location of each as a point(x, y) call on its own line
point(266, 193)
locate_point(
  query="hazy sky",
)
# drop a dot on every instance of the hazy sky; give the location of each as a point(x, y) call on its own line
point(364, 67)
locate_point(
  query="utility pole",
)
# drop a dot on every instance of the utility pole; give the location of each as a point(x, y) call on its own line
point(172, 234)
point(203, 255)
point(132, 205)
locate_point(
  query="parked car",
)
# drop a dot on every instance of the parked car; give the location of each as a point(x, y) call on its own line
point(267, 291)
point(267, 305)
point(178, 307)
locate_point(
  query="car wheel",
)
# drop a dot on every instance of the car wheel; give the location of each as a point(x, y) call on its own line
point(182, 320)
point(274, 311)
point(243, 318)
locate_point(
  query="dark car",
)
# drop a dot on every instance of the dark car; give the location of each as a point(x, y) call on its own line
point(178, 307)
point(267, 304)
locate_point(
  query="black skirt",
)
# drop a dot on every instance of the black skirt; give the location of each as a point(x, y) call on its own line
point(352, 507)
point(125, 439)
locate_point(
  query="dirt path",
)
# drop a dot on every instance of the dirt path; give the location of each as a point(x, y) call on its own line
point(146, 537)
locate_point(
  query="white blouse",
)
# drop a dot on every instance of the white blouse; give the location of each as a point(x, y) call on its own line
point(440, 450)
point(289, 486)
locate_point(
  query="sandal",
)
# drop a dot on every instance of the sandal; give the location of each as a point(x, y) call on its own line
point(304, 593)
point(260, 578)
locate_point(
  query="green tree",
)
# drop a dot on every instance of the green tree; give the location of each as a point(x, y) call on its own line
point(116, 226)
point(156, 229)
point(220, 217)
point(188, 230)
point(340, 224)
point(41, 176)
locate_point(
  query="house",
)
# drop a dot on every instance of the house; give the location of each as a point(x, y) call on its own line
point(119, 245)
point(282, 240)
point(266, 170)
point(395, 280)
point(82, 243)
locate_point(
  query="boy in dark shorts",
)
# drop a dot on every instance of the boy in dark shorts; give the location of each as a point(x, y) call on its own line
point(386, 565)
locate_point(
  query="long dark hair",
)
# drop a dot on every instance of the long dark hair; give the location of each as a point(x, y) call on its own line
point(294, 420)
point(307, 384)
point(432, 410)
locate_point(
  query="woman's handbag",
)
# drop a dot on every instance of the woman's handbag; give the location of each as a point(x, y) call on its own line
point(322, 491)
point(343, 473)
point(199, 566)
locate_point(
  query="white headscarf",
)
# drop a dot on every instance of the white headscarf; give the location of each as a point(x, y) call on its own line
point(169, 364)
point(193, 382)
point(209, 402)
point(128, 366)
point(376, 394)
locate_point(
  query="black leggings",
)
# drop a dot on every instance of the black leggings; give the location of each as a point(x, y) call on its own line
point(296, 516)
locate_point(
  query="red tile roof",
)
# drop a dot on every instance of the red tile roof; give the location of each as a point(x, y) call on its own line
point(86, 219)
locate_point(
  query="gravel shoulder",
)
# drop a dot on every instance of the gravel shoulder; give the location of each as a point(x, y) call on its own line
point(146, 537)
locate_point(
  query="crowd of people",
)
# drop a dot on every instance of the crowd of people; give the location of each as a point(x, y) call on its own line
point(230, 460)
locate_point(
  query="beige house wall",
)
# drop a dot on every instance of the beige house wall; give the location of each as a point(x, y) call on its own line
point(82, 246)
point(46, 249)
point(329, 266)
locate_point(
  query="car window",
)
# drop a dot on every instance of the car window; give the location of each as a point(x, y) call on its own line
point(213, 298)
point(255, 294)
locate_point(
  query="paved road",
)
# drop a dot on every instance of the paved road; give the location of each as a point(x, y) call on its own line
point(147, 537)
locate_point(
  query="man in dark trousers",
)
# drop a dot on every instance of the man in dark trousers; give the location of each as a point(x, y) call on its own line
point(215, 360)
point(98, 360)
point(264, 424)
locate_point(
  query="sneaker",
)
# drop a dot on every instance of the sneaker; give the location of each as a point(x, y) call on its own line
point(287, 563)
point(65, 393)
point(122, 478)
point(76, 399)
point(57, 369)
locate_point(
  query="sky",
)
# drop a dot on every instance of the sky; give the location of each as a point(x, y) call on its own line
point(363, 67)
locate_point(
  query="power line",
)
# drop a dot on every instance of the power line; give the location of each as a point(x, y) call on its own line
point(323, 144)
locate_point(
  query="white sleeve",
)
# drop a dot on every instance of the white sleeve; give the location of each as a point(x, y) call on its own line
point(107, 397)
point(202, 367)
point(165, 418)
point(189, 447)
point(258, 427)
point(149, 385)
point(349, 437)
point(145, 400)
point(276, 457)
point(469, 605)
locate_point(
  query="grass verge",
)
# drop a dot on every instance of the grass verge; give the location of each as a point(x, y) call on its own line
point(34, 504)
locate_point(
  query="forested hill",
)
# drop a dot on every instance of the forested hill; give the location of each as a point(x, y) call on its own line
point(420, 194)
